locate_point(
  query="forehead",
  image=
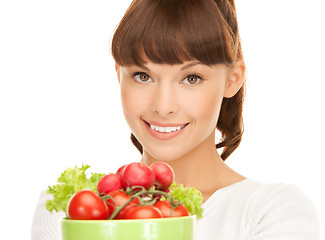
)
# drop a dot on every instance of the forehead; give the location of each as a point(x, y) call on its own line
point(182, 66)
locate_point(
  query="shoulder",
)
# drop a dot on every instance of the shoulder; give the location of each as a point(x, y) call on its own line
point(281, 208)
point(281, 196)
point(280, 192)
point(45, 225)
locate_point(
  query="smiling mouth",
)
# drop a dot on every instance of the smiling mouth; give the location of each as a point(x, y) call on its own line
point(166, 129)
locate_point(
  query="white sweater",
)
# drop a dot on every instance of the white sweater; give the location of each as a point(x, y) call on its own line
point(247, 210)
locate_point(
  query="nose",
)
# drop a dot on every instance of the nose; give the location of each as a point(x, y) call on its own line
point(165, 100)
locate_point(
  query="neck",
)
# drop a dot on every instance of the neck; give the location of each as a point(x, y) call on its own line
point(202, 168)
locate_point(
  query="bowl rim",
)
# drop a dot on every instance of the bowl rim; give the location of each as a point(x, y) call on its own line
point(171, 219)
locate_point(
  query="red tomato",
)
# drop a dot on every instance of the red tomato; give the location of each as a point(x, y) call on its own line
point(120, 170)
point(143, 212)
point(164, 175)
point(109, 183)
point(166, 209)
point(138, 174)
point(87, 205)
point(120, 198)
point(120, 173)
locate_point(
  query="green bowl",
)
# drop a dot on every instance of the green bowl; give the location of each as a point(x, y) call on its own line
point(178, 228)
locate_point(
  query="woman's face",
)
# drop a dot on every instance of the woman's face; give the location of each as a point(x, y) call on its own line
point(172, 109)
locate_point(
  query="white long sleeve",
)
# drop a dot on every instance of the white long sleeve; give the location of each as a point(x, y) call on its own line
point(283, 212)
point(247, 210)
point(46, 225)
point(251, 210)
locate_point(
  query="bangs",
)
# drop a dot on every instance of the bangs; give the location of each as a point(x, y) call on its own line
point(172, 32)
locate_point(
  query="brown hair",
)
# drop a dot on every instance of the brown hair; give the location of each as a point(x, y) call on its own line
point(174, 31)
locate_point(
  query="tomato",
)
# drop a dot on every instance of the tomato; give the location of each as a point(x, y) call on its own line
point(121, 198)
point(166, 209)
point(138, 174)
point(164, 175)
point(109, 183)
point(120, 173)
point(143, 212)
point(120, 170)
point(87, 205)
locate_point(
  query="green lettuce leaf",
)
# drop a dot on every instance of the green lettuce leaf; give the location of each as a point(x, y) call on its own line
point(70, 181)
point(190, 197)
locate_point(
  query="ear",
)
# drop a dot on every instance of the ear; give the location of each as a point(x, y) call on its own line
point(235, 79)
point(117, 69)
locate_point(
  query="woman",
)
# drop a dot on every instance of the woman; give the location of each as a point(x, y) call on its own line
point(181, 72)
point(182, 76)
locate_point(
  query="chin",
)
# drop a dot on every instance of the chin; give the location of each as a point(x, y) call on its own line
point(166, 154)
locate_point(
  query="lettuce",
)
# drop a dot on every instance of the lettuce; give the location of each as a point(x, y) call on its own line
point(75, 179)
point(190, 197)
point(70, 181)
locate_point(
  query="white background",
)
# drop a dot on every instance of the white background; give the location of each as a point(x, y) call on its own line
point(60, 103)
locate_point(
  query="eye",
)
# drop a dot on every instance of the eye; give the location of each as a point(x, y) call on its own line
point(192, 79)
point(142, 77)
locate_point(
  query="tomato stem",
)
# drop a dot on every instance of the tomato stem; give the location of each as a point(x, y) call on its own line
point(138, 194)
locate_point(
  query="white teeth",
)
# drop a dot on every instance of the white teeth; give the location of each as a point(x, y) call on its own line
point(166, 129)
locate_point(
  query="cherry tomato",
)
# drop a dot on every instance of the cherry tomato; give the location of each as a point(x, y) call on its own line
point(87, 205)
point(120, 198)
point(120, 173)
point(164, 175)
point(166, 209)
point(120, 170)
point(143, 212)
point(138, 174)
point(109, 183)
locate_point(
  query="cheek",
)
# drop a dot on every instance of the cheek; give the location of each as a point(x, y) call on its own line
point(130, 103)
point(134, 103)
point(205, 107)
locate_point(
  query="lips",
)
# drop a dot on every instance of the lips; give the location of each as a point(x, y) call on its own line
point(165, 131)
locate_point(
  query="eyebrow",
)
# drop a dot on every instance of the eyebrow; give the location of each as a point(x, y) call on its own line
point(191, 64)
point(143, 67)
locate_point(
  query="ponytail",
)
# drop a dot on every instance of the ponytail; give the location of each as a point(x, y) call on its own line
point(230, 123)
point(136, 143)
